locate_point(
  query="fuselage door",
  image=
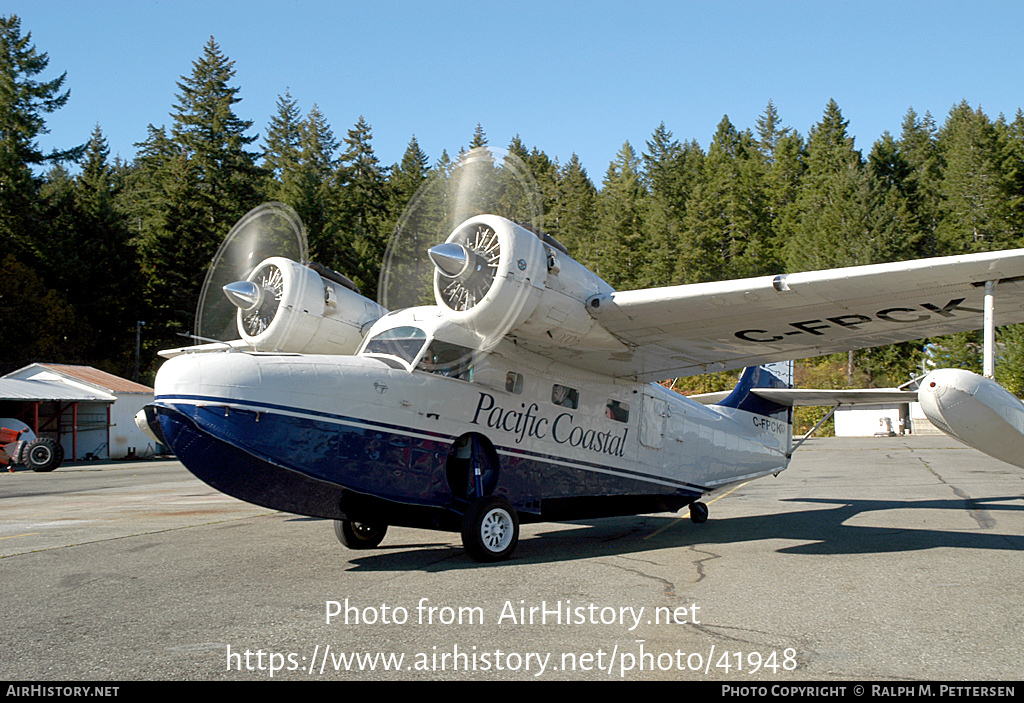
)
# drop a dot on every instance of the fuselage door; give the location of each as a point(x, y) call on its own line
point(653, 412)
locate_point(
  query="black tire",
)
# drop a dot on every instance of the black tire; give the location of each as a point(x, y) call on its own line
point(360, 535)
point(43, 454)
point(490, 529)
point(698, 512)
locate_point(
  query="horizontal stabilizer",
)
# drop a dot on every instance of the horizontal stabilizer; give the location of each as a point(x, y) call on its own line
point(794, 397)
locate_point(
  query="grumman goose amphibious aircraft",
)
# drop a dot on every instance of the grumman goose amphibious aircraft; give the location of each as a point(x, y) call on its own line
point(524, 392)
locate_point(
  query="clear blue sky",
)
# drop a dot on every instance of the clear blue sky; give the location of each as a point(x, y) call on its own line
point(580, 76)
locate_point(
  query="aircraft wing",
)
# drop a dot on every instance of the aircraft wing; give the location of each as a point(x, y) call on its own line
point(698, 328)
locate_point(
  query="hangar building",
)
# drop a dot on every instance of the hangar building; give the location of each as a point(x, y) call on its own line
point(91, 413)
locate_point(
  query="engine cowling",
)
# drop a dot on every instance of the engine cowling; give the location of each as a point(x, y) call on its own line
point(497, 278)
point(285, 306)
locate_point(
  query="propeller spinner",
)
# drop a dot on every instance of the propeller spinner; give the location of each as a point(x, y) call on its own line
point(258, 299)
point(467, 270)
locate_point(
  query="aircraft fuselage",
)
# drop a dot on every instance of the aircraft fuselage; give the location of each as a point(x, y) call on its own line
point(353, 437)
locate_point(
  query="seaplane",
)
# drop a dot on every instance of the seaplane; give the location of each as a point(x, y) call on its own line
point(498, 381)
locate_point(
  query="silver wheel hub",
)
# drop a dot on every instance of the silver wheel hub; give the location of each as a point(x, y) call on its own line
point(496, 530)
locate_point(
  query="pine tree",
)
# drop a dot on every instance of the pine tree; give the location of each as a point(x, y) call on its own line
point(214, 139)
point(782, 166)
point(726, 230)
point(479, 138)
point(668, 185)
point(893, 227)
point(111, 307)
point(769, 133)
point(621, 253)
point(187, 190)
point(975, 214)
point(573, 215)
point(918, 148)
point(1013, 171)
point(319, 161)
point(24, 101)
point(1010, 358)
point(171, 233)
point(407, 176)
point(360, 211)
point(281, 152)
point(515, 192)
point(86, 257)
point(831, 223)
point(782, 186)
point(38, 322)
point(545, 176)
point(300, 156)
point(404, 182)
point(962, 350)
point(895, 234)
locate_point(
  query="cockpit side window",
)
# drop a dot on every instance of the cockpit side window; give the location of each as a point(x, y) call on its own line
point(447, 359)
point(402, 342)
point(514, 382)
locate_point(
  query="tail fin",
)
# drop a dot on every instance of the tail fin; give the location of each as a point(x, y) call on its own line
point(777, 375)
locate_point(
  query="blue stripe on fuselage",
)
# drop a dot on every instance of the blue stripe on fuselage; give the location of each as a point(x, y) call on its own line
point(393, 461)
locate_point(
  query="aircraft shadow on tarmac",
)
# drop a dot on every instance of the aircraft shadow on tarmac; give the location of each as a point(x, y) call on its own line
point(821, 531)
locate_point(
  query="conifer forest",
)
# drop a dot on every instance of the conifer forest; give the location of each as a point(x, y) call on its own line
point(91, 246)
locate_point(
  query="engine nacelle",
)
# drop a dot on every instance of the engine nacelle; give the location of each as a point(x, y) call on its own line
point(285, 306)
point(975, 410)
point(497, 278)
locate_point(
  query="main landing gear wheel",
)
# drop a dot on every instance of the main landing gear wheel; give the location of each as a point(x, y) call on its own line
point(360, 535)
point(698, 512)
point(43, 454)
point(490, 529)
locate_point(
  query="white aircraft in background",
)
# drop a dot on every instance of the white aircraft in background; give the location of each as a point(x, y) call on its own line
point(524, 393)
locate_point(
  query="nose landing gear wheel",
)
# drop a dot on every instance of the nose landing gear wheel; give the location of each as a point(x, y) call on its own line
point(359, 535)
point(698, 512)
point(490, 529)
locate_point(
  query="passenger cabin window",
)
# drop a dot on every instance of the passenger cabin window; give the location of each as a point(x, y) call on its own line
point(617, 410)
point(402, 342)
point(446, 359)
point(565, 396)
point(514, 382)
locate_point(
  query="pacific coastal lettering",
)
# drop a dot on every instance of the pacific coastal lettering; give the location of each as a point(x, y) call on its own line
point(525, 422)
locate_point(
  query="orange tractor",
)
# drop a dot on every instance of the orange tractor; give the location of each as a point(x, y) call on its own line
point(19, 445)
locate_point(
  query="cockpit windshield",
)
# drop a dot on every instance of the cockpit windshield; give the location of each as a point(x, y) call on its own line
point(404, 343)
point(446, 359)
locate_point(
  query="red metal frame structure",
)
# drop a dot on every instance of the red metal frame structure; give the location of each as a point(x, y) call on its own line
point(53, 424)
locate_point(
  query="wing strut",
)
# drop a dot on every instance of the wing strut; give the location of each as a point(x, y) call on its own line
point(814, 429)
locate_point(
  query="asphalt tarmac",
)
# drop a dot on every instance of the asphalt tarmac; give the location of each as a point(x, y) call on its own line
point(868, 559)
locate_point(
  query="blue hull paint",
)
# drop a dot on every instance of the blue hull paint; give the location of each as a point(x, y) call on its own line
point(335, 467)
